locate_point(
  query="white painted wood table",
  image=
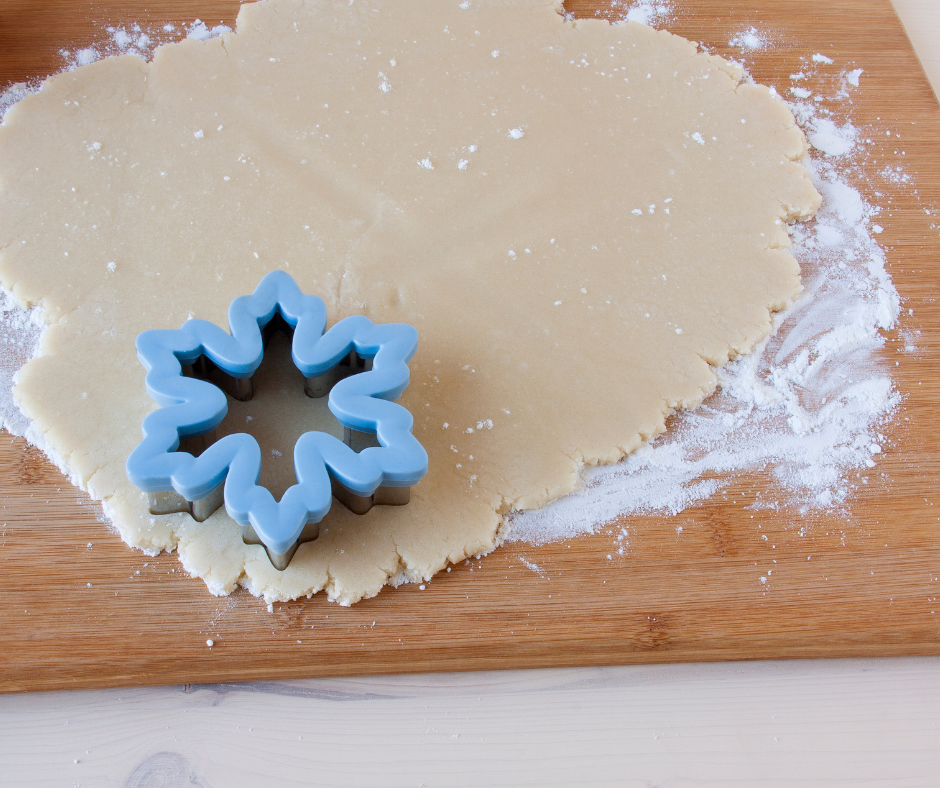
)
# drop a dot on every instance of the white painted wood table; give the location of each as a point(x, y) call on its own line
point(799, 723)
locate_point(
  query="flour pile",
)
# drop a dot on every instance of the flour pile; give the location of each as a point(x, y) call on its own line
point(807, 405)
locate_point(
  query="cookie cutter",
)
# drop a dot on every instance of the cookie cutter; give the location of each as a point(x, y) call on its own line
point(361, 366)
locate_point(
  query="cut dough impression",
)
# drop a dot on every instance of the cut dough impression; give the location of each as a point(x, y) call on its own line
point(581, 219)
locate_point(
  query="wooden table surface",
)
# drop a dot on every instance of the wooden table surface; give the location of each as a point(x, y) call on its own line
point(79, 617)
point(806, 723)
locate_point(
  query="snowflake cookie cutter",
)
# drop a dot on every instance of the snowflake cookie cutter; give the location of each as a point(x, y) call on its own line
point(363, 367)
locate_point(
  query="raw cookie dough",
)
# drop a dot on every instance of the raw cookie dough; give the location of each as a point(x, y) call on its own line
point(580, 219)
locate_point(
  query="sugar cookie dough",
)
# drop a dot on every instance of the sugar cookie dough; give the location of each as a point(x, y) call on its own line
point(580, 219)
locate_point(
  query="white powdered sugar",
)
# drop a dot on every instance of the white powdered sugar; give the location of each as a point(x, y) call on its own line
point(808, 405)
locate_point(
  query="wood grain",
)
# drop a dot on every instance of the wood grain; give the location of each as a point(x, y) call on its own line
point(860, 584)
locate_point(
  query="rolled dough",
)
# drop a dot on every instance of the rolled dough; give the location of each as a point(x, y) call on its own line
point(581, 219)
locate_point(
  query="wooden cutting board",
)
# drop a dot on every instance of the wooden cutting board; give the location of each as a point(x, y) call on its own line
point(105, 615)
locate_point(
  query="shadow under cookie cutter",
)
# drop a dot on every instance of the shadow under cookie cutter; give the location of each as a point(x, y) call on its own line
point(363, 367)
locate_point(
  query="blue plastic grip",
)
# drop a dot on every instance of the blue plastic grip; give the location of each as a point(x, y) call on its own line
point(362, 402)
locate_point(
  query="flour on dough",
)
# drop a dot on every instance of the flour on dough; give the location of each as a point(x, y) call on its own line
point(581, 220)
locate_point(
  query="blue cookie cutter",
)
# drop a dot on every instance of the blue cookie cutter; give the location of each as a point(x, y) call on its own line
point(362, 366)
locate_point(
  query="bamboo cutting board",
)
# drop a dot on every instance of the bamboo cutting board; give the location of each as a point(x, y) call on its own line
point(74, 616)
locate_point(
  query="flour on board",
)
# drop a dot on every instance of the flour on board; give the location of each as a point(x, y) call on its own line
point(810, 404)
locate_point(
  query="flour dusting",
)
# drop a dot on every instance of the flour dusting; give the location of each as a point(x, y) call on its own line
point(808, 405)
point(646, 12)
point(20, 330)
point(14, 93)
point(827, 137)
point(750, 40)
point(134, 40)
